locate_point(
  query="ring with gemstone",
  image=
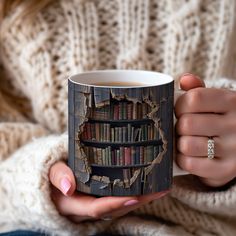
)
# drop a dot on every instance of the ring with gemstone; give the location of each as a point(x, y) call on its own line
point(210, 148)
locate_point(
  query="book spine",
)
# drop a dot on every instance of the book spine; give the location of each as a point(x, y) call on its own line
point(103, 157)
point(116, 112)
point(112, 111)
point(130, 111)
point(129, 133)
point(127, 156)
point(99, 155)
point(125, 111)
point(132, 134)
point(144, 155)
point(122, 156)
point(148, 154)
point(106, 132)
point(141, 155)
point(116, 134)
point(120, 110)
point(137, 155)
point(118, 157)
point(109, 132)
point(113, 134)
point(120, 135)
point(113, 159)
point(95, 155)
point(124, 134)
point(132, 155)
point(109, 156)
point(97, 131)
point(134, 110)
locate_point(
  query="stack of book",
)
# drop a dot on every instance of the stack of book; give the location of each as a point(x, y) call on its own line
point(106, 132)
point(122, 110)
point(122, 156)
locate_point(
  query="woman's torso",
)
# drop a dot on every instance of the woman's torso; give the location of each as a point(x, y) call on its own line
point(73, 36)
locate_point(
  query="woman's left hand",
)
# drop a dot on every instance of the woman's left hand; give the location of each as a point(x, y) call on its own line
point(205, 113)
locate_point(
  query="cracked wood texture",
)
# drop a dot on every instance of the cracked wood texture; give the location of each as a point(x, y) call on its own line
point(121, 180)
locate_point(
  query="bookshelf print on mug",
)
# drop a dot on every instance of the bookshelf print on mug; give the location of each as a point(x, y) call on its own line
point(120, 139)
point(120, 134)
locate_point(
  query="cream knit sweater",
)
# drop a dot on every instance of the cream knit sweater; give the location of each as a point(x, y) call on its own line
point(71, 36)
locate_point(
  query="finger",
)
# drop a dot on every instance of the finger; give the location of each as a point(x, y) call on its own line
point(215, 183)
point(198, 146)
point(62, 178)
point(77, 219)
point(202, 125)
point(144, 199)
point(89, 206)
point(152, 196)
point(216, 169)
point(201, 100)
point(189, 81)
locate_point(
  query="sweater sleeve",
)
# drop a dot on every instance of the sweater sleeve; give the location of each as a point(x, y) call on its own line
point(25, 190)
point(27, 151)
point(225, 83)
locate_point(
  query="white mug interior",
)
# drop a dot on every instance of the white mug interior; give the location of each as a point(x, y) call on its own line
point(141, 77)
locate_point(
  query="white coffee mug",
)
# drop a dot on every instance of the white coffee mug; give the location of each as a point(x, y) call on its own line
point(121, 132)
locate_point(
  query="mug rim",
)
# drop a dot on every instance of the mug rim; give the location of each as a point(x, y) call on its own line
point(159, 78)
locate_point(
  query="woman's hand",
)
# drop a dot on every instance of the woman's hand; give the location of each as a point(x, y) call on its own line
point(78, 206)
point(203, 113)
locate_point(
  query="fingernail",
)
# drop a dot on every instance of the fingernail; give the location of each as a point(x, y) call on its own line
point(162, 194)
point(131, 202)
point(65, 185)
point(187, 74)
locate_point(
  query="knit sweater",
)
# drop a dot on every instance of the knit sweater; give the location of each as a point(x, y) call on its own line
point(71, 36)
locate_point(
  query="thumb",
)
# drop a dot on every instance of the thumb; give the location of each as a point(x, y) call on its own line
point(189, 81)
point(62, 178)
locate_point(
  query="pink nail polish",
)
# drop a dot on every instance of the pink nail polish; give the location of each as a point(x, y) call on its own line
point(130, 202)
point(65, 185)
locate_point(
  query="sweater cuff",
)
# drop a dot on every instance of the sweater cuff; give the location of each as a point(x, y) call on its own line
point(217, 201)
point(25, 189)
point(225, 83)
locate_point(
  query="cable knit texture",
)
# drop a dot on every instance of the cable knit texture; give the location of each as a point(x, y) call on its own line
point(77, 35)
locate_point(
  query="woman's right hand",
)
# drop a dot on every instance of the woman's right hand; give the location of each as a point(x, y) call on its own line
point(79, 206)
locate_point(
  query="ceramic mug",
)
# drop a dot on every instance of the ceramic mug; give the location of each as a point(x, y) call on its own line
point(121, 132)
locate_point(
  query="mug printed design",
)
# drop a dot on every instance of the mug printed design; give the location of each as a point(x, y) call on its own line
point(121, 139)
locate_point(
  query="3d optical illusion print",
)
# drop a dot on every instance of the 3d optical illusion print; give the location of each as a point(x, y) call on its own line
point(121, 139)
